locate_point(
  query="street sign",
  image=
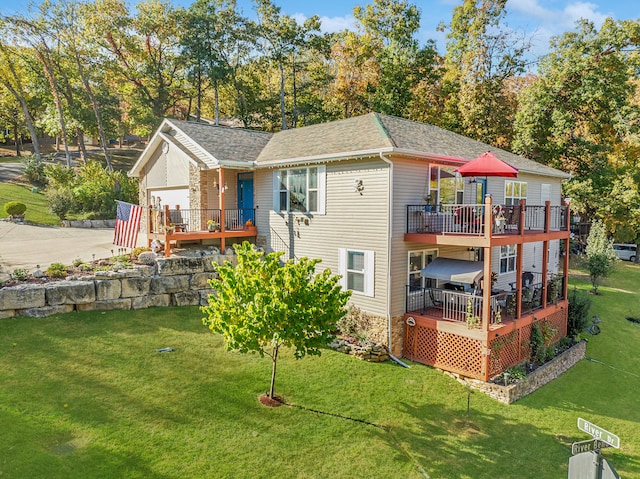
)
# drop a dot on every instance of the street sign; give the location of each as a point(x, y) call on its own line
point(586, 446)
point(599, 433)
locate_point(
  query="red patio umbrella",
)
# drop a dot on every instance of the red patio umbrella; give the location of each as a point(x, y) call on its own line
point(488, 164)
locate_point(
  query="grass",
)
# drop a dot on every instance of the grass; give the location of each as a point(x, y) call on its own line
point(87, 395)
point(37, 207)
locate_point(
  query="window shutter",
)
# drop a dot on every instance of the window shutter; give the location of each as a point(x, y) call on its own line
point(342, 267)
point(322, 189)
point(369, 276)
point(276, 190)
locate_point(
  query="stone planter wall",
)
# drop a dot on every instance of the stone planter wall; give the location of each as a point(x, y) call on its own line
point(538, 378)
point(179, 281)
point(375, 353)
point(88, 223)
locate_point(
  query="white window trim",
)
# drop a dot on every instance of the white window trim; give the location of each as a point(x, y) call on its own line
point(369, 270)
point(513, 197)
point(424, 253)
point(507, 257)
point(322, 190)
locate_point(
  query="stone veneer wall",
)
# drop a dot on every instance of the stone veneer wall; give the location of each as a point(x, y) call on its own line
point(538, 378)
point(178, 281)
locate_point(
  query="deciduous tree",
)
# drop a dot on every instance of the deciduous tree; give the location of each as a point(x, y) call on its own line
point(261, 305)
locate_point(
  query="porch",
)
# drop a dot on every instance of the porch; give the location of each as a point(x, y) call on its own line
point(443, 327)
point(173, 226)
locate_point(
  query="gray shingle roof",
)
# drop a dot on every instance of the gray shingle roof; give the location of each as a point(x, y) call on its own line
point(225, 143)
point(376, 131)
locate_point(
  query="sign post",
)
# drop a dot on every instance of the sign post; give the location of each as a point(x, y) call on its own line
point(586, 460)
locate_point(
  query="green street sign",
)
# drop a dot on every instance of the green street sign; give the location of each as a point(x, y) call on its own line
point(599, 433)
point(588, 445)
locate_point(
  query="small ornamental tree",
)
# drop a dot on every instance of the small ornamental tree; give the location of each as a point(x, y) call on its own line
point(262, 304)
point(601, 256)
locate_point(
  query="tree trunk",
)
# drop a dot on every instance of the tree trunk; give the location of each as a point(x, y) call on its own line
point(199, 99)
point(294, 121)
point(274, 362)
point(82, 149)
point(96, 112)
point(17, 140)
point(282, 109)
point(216, 101)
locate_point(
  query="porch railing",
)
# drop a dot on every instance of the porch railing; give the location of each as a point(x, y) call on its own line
point(197, 219)
point(469, 219)
point(454, 305)
point(459, 306)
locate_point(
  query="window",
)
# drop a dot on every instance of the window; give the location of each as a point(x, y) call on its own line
point(445, 186)
point(417, 261)
point(545, 193)
point(508, 258)
point(300, 190)
point(356, 268)
point(514, 191)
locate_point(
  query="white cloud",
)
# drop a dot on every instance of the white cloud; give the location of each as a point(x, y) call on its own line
point(330, 24)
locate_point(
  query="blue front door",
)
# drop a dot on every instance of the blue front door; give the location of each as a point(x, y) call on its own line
point(245, 197)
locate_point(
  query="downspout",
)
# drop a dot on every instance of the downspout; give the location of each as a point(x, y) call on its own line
point(389, 237)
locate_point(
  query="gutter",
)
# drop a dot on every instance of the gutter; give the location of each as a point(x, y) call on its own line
point(389, 237)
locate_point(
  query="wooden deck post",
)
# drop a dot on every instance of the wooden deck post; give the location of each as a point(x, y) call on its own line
point(221, 202)
point(567, 245)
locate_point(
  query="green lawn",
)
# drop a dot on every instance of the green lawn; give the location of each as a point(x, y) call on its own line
point(87, 395)
point(37, 210)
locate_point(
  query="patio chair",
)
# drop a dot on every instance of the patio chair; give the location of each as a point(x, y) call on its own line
point(433, 296)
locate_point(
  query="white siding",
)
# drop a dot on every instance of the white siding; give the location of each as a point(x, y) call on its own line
point(352, 220)
point(167, 169)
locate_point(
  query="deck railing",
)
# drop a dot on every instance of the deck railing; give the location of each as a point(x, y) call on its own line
point(197, 219)
point(454, 305)
point(469, 219)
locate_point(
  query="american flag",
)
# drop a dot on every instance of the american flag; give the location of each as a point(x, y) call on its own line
point(127, 225)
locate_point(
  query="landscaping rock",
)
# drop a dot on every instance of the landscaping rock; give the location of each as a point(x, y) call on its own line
point(70, 292)
point(107, 305)
point(201, 280)
point(7, 313)
point(186, 298)
point(108, 289)
point(134, 287)
point(180, 265)
point(46, 311)
point(18, 297)
point(151, 301)
point(169, 284)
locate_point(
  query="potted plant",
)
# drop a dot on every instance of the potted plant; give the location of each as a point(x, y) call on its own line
point(213, 225)
point(248, 224)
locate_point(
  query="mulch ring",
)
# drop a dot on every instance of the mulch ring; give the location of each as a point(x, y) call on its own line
point(275, 401)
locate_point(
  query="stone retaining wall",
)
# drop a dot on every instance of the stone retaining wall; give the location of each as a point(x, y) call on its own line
point(538, 378)
point(88, 223)
point(179, 281)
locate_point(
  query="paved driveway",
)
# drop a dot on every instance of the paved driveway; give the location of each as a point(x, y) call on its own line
point(10, 171)
point(25, 246)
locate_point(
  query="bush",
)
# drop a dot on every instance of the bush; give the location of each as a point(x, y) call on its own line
point(57, 270)
point(135, 252)
point(536, 342)
point(15, 208)
point(20, 274)
point(60, 202)
point(578, 314)
point(147, 257)
point(34, 171)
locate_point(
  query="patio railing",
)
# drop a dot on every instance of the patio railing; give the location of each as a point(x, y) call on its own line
point(197, 219)
point(469, 219)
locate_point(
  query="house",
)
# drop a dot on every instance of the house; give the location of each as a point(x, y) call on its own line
point(377, 198)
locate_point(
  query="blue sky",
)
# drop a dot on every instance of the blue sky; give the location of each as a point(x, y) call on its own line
point(539, 19)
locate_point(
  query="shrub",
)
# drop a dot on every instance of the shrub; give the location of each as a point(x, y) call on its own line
point(34, 171)
point(147, 257)
point(57, 270)
point(15, 208)
point(20, 274)
point(59, 176)
point(60, 202)
point(536, 342)
point(135, 252)
point(578, 313)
